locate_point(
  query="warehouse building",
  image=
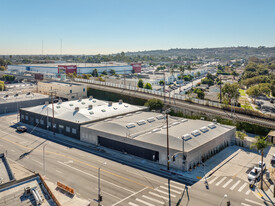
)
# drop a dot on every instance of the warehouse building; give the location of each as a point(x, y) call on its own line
point(79, 68)
point(144, 134)
point(63, 90)
point(69, 116)
point(12, 101)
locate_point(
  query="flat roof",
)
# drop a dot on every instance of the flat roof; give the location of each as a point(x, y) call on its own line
point(14, 194)
point(68, 84)
point(85, 110)
point(151, 128)
point(108, 64)
point(17, 96)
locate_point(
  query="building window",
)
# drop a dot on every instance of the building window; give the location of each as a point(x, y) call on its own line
point(22, 116)
point(73, 131)
point(68, 129)
point(61, 126)
point(41, 121)
point(49, 124)
point(36, 121)
point(71, 91)
point(83, 89)
point(27, 117)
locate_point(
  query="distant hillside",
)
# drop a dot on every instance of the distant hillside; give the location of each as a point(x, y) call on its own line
point(222, 53)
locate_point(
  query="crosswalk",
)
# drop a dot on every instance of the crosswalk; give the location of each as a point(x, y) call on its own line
point(159, 196)
point(232, 184)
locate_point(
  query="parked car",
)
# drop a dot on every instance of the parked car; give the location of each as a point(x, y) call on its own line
point(254, 174)
point(21, 129)
point(260, 165)
point(272, 162)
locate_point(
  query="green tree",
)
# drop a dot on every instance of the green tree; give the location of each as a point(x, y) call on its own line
point(9, 78)
point(2, 86)
point(234, 73)
point(112, 72)
point(240, 135)
point(2, 68)
point(155, 104)
point(148, 86)
point(260, 145)
point(104, 72)
point(182, 68)
point(231, 92)
point(161, 82)
point(86, 76)
point(208, 81)
point(95, 73)
point(200, 93)
point(254, 92)
point(140, 83)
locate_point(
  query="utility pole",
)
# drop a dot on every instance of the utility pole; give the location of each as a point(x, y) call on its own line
point(53, 127)
point(220, 89)
point(99, 195)
point(164, 88)
point(168, 160)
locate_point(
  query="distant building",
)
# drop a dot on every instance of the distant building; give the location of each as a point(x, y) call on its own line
point(63, 90)
point(136, 67)
point(271, 137)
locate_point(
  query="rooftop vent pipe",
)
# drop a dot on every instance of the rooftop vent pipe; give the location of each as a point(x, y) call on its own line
point(120, 101)
point(76, 109)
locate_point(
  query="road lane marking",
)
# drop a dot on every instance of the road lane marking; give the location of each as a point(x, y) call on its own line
point(12, 150)
point(152, 193)
point(171, 190)
point(242, 187)
point(177, 183)
point(235, 185)
point(130, 196)
point(96, 177)
point(227, 183)
point(136, 173)
point(132, 204)
point(260, 194)
point(248, 192)
point(217, 184)
point(58, 171)
point(213, 180)
point(146, 203)
point(152, 199)
point(254, 202)
point(245, 204)
point(179, 188)
point(166, 193)
point(76, 160)
point(37, 161)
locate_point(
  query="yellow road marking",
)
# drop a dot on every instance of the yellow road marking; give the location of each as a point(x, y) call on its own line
point(234, 176)
point(76, 160)
point(259, 194)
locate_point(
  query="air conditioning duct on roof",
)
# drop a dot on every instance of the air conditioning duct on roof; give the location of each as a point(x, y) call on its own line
point(91, 97)
point(90, 106)
point(110, 104)
point(120, 101)
point(59, 101)
point(76, 109)
point(46, 103)
point(79, 99)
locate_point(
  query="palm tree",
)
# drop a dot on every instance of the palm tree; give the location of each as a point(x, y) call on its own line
point(182, 68)
point(260, 145)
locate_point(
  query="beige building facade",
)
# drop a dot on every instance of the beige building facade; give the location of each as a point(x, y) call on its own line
point(67, 91)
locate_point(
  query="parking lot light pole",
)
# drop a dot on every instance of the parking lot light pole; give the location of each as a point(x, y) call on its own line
point(99, 195)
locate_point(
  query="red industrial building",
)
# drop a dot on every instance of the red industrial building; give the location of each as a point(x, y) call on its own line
point(136, 67)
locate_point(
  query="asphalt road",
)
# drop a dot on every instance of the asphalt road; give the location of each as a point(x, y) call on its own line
point(120, 184)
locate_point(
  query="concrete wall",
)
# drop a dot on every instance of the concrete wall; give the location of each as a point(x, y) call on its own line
point(15, 106)
point(63, 91)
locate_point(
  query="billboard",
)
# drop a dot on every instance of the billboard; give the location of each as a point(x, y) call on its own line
point(67, 69)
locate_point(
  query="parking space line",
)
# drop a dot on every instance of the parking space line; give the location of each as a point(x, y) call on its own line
point(248, 192)
point(217, 184)
point(235, 185)
point(245, 204)
point(256, 203)
point(132, 204)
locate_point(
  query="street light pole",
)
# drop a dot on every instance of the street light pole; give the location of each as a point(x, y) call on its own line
point(99, 195)
point(168, 160)
point(223, 199)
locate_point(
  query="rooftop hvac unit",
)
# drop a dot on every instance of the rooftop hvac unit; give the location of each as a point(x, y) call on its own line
point(46, 103)
point(90, 97)
point(90, 106)
point(79, 99)
point(76, 109)
point(110, 104)
point(120, 101)
point(59, 101)
point(37, 196)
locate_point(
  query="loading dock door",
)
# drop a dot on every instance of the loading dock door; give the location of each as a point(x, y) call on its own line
point(130, 149)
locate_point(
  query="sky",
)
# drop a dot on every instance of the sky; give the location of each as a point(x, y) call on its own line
point(112, 26)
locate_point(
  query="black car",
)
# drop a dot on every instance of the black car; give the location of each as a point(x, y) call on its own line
point(21, 129)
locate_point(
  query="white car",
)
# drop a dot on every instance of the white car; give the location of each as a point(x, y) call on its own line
point(254, 174)
point(260, 165)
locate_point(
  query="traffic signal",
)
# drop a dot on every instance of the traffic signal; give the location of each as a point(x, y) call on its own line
point(100, 198)
point(228, 203)
point(174, 158)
